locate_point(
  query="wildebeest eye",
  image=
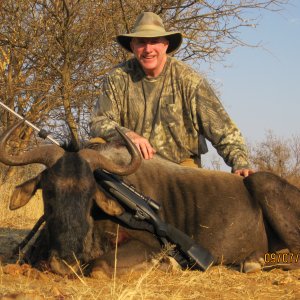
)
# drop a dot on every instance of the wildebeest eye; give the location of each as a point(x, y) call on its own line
point(48, 209)
point(48, 194)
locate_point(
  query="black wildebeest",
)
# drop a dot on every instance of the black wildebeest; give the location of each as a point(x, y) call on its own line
point(238, 220)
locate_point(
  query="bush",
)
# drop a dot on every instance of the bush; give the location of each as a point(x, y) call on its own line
point(278, 155)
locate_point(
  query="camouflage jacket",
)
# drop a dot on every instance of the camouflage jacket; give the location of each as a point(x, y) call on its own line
point(170, 110)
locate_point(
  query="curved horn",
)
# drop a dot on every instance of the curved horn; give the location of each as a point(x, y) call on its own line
point(46, 154)
point(98, 161)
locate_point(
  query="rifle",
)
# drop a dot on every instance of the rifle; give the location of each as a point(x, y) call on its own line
point(144, 216)
point(41, 132)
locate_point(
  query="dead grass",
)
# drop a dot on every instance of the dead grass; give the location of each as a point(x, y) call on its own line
point(217, 283)
point(23, 282)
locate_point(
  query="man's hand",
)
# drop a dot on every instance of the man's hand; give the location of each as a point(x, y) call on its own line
point(244, 172)
point(142, 144)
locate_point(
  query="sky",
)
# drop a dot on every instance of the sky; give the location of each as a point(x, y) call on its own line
point(261, 88)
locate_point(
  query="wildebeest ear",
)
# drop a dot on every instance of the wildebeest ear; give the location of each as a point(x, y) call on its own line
point(108, 205)
point(24, 192)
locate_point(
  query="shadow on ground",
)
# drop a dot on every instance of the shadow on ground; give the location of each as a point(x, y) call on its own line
point(9, 240)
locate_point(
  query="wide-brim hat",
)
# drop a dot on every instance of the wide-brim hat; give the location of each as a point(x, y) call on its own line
point(150, 25)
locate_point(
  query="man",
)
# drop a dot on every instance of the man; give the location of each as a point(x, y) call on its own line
point(163, 105)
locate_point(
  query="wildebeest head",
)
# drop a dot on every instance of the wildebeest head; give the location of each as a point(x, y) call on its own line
point(69, 191)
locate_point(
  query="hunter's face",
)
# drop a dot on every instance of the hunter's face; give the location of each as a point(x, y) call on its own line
point(151, 54)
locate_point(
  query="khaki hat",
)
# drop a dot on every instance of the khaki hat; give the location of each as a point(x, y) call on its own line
point(150, 25)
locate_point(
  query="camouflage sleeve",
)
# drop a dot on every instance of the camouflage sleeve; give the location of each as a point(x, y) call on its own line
point(219, 129)
point(107, 113)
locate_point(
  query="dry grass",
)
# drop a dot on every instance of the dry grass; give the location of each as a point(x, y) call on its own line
point(23, 282)
point(217, 283)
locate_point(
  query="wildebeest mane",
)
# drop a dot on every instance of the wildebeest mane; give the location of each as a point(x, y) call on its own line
point(71, 146)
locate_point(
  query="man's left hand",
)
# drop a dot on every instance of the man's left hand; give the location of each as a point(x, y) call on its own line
point(244, 172)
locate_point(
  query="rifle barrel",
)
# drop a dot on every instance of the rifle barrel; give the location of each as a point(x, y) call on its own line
point(49, 137)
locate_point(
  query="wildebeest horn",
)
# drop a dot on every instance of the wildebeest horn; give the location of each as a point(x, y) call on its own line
point(46, 154)
point(98, 161)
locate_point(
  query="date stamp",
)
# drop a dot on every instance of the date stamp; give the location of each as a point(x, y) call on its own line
point(282, 258)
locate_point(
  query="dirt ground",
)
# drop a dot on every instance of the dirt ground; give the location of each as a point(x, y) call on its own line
point(23, 282)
